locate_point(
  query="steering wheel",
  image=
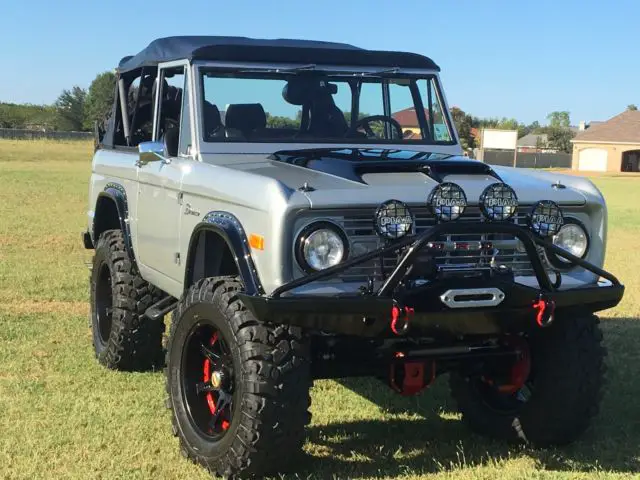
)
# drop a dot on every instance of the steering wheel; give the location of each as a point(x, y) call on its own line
point(365, 124)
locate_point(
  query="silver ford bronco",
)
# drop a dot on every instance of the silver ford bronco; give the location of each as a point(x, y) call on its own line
point(303, 210)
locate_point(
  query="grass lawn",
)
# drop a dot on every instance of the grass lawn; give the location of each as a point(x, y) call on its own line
point(64, 416)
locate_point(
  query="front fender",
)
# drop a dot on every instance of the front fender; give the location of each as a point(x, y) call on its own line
point(230, 230)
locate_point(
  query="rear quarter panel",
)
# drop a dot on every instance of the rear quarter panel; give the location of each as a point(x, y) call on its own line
point(113, 166)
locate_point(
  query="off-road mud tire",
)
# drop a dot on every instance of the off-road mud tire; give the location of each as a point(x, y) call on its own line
point(134, 342)
point(568, 361)
point(267, 430)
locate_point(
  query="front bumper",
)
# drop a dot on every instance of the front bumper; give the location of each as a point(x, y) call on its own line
point(368, 313)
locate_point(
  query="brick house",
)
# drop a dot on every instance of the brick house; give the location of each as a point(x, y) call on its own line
point(611, 146)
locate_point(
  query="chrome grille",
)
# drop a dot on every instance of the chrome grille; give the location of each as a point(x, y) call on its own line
point(358, 225)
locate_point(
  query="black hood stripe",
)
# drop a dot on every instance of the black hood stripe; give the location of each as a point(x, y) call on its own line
point(352, 164)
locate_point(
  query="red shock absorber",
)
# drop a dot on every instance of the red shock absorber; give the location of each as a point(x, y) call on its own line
point(415, 375)
point(521, 368)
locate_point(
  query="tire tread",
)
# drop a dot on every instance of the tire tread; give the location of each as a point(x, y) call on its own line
point(275, 365)
point(567, 396)
point(135, 343)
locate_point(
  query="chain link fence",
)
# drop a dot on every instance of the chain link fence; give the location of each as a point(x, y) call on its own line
point(19, 134)
point(528, 159)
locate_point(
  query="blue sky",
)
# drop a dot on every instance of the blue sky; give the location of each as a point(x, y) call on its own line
point(499, 58)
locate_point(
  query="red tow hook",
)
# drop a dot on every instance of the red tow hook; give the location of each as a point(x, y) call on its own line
point(545, 309)
point(400, 319)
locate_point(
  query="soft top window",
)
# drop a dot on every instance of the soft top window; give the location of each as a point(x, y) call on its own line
point(316, 107)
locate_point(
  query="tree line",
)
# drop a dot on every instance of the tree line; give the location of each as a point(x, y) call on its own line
point(558, 130)
point(78, 109)
point(74, 110)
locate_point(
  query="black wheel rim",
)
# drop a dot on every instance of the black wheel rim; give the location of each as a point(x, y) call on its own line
point(104, 303)
point(208, 381)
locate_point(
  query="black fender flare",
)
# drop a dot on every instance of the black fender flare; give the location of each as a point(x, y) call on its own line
point(118, 195)
point(229, 228)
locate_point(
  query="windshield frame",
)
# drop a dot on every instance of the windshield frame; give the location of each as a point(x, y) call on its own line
point(349, 73)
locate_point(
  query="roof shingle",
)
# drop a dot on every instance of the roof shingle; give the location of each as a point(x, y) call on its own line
point(624, 127)
point(531, 140)
point(408, 117)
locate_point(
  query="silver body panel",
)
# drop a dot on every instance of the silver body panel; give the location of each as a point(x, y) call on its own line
point(166, 200)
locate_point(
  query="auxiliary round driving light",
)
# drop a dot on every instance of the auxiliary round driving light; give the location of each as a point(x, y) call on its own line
point(447, 201)
point(546, 218)
point(498, 202)
point(393, 220)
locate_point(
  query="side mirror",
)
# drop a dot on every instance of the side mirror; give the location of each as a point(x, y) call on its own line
point(151, 152)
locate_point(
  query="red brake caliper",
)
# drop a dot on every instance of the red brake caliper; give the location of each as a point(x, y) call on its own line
point(207, 378)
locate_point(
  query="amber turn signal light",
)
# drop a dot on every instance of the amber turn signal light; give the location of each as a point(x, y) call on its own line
point(256, 241)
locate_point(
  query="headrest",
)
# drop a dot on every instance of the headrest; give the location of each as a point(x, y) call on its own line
point(212, 119)
point(300, 91)
point(147, 83)
point(331, 88)
point(154, 88)
point(245, 116)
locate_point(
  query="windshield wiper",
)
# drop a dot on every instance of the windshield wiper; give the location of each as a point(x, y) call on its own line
point(392, 71)
point(301, 68)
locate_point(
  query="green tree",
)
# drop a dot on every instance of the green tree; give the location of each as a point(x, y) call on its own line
point(276, 121)
point(560, 139)
point(70, 109)
point(632, 107)
point(464, 124)
point(540, 143)
point(12, 116)
point(559, 119)
point(27, 116)
point(508, 124)
point(99, 101)
point(534, 127)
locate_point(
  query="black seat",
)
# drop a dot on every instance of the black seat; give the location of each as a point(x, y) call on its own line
point(320, 115)
point(327, 120)
point(245, 117)
point(172, 141)
point(212, 120)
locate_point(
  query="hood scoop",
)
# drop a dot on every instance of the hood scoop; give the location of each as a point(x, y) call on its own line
point(354, 164)
point(439, 170)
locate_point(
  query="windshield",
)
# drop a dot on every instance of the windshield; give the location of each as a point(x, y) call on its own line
point(317, 107)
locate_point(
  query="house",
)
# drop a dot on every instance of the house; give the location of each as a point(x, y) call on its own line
point(534, 142)
point(611, 146)
point(408, 120)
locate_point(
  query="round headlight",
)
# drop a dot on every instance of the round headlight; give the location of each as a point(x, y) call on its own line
point(393, 220)
point(498, 202)
point(546, 218)
point(447, 201)
point(320, 246)
point(572, 238)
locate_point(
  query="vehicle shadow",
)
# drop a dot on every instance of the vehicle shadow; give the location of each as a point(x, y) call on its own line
point(434, 439)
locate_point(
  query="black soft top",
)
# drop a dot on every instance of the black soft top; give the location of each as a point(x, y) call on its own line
point(243, 49)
